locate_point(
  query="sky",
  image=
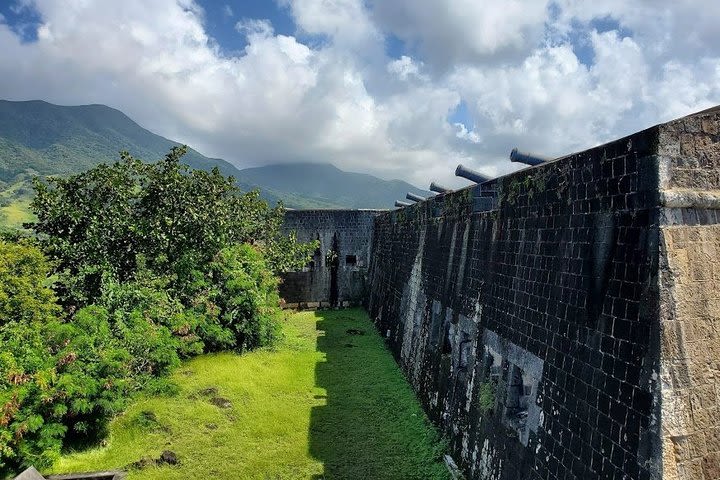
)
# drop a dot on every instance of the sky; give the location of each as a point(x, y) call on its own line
point(402, 89)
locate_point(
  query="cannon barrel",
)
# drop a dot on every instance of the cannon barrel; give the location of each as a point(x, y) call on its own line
point(471, 175)
point(414, 198)
point(434, 187)
point(398, 203)
point(528, 158)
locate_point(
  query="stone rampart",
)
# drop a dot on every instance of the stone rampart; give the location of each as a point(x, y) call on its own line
point(337, 274)
point(559, 322)
point(567, 327)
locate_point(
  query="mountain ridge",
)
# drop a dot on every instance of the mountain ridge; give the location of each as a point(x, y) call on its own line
point(41, 138)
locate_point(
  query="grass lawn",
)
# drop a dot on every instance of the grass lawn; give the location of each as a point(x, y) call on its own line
point(326, 404)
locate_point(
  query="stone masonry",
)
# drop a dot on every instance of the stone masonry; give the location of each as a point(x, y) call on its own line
point(336, 276)
point(689, 155)
point(563, 321)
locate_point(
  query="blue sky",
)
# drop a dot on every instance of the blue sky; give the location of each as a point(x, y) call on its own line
point(221, 18)
point(397, 88)
point(22, 20)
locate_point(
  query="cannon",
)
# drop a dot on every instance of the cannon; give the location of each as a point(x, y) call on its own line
point(434, 187)
point(415, 198)
point(398, 203)
point(471, 175)
point(527, 158)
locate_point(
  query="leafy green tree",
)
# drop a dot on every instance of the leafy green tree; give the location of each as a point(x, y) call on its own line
point(97, 224)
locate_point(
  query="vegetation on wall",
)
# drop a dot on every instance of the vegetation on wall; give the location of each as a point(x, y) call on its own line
point(131, 267)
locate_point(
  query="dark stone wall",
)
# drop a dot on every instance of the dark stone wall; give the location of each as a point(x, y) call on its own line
point(560, 322)
point(330, 280)
point(528, 325)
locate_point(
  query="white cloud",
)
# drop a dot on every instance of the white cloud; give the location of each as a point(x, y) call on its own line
point(455, 31)
point(255, 27)
point(345, 22)
point(343, 100)
point(404, 67)
point(228, 11)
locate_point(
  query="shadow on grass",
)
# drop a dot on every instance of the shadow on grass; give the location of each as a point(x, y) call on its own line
point(371, 425)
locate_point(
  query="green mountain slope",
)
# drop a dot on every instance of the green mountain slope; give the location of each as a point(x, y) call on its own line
point(327, 183)
point(39, 138)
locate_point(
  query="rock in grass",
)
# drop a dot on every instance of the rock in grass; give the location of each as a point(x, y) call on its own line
point(169, 457)
point(209, 391)
point(221, 402)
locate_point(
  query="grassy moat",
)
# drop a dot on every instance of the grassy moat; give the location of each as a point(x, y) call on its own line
point(328, 403)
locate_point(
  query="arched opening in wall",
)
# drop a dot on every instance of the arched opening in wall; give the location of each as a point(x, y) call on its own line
point(317, 256)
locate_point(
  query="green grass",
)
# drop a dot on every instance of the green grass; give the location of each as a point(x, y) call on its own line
point(15, 214)
point(15, 204)
point(325, 404)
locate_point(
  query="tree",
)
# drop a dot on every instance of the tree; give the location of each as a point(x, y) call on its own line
point(96, 225)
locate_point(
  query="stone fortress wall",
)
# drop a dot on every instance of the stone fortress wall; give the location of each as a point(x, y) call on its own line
point(337, 274)
point(562, 321)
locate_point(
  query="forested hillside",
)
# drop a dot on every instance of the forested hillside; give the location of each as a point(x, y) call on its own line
point(39, 138)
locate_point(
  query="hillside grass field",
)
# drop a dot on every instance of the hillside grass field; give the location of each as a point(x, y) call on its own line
point(329, 402)
point(15, 205)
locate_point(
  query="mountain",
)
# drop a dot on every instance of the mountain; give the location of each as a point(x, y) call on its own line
point(39, 138)
point(326, 183)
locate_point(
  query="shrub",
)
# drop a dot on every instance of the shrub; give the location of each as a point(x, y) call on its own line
point(55, 376)
point(246, 296)
point(25, 295)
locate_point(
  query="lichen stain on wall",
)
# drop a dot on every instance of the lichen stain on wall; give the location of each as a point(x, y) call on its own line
point(413, 305)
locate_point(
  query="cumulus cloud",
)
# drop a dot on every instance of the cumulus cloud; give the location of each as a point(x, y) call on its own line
point(404, 67)
point(455, 31)
point(546, 77)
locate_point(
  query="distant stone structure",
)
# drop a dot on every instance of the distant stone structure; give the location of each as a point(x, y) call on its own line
point(337, 274)
point(563, 321)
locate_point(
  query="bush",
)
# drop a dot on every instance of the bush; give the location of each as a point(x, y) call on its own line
point(25, 295)
point(246, 295)
point(150, 264)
